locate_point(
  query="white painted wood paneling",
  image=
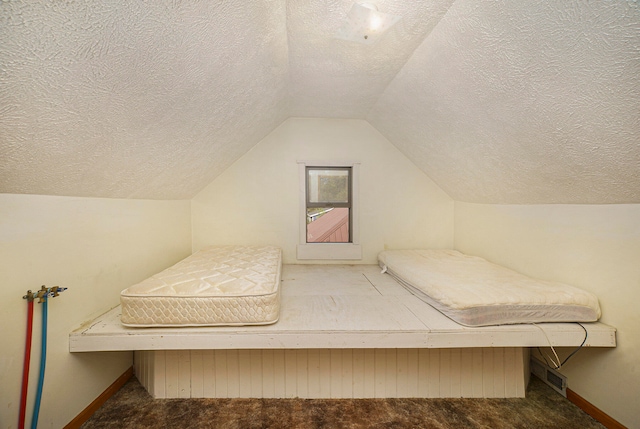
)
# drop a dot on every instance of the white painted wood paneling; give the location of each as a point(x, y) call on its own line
point(335, 373)
point(197, 383)
point(208, 374)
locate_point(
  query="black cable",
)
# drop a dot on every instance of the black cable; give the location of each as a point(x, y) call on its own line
point(554, 366)
point(586, 334)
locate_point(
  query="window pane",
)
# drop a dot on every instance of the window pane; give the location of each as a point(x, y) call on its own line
point(328, 186)
point(328, 225)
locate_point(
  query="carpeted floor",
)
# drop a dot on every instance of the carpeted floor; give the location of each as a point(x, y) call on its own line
point(133, 407)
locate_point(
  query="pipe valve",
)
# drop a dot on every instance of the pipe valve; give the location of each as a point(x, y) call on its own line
point(44, 293)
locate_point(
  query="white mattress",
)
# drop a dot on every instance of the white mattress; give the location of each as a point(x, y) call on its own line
point(476, 292)
point(227, 285)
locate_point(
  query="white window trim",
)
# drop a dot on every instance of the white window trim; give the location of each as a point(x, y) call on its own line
point(345, 251)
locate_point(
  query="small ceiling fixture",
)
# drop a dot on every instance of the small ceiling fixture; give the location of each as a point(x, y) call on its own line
point(365, 24)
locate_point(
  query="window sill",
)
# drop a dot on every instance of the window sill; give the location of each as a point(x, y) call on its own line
point(348, 251)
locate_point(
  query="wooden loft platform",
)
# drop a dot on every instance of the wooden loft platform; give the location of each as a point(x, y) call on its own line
point(344, 332)
point(338, 307)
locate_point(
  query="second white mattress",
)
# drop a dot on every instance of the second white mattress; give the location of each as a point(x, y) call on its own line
point(475, 292)
point(226, 285)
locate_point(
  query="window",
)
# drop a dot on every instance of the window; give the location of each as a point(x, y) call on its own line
point(329, 211)
point(328, 204)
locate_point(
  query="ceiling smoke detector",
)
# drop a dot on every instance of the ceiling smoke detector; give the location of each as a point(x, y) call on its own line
point(365, 24)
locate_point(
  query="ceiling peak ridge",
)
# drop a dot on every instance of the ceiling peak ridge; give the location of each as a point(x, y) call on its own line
point(409, 57)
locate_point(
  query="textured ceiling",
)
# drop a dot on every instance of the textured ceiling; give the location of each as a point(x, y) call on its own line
point(330, 77)
point(136, 99)
point(523, 102)
point(497, 101)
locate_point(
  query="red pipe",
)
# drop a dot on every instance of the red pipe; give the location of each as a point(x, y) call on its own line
point(25, 368)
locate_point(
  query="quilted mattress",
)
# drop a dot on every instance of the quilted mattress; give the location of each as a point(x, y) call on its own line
point(475, 292)
point(227, 285)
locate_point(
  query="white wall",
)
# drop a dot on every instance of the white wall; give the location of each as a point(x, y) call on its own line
point(255, 201)
point(95, 247)
point(595, 247)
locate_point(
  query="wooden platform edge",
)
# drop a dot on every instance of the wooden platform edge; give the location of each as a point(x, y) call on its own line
point(595, 412)
point(97, 403)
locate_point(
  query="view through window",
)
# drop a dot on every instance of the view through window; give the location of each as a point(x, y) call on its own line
point(328, 204)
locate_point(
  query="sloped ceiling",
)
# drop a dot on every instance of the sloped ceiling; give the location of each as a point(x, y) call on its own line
point(136, 99)
point(497, 101)
point(523, 102)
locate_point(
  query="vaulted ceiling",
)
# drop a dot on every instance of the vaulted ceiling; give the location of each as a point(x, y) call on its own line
point(496, 101)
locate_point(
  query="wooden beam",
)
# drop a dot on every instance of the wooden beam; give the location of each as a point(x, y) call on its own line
point(97, 403)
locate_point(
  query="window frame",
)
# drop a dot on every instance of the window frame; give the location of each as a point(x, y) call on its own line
point(329, 251)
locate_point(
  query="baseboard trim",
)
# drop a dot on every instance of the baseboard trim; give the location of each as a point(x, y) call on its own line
point(586, 406)
point(97, 403)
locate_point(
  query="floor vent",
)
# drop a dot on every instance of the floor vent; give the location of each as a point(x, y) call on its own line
point(553, 378)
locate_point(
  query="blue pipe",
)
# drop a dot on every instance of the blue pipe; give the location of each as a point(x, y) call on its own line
point(43, 360)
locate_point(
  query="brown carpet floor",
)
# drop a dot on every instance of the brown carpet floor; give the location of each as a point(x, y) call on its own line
point(133, 407)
